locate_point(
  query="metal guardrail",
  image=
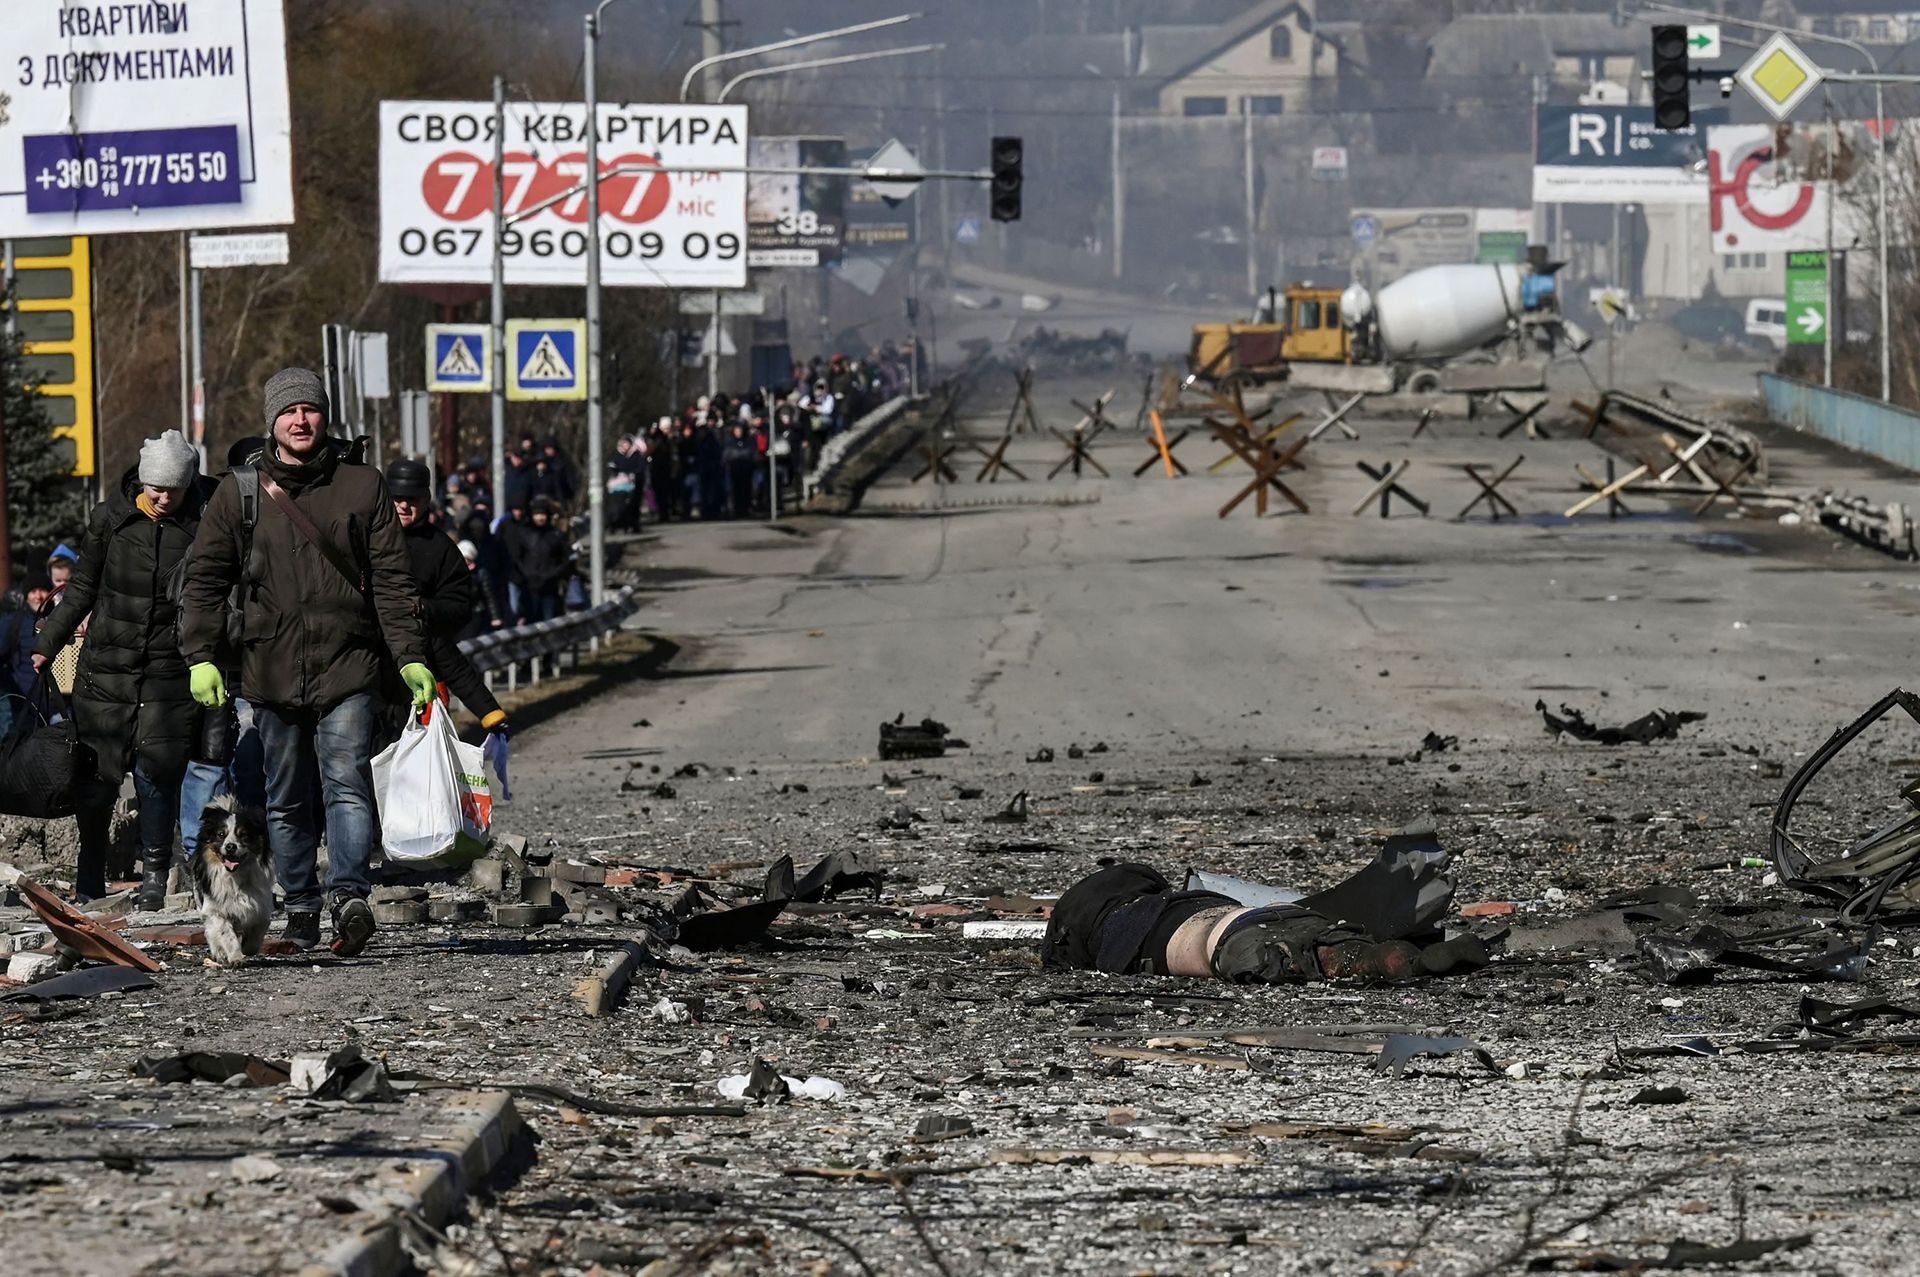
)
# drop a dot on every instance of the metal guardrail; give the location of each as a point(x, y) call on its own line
point(563, 636)
point(1852, 421)
point(833, 457)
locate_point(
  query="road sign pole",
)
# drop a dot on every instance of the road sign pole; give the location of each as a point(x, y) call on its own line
point(186, 358)
point(1878, 79)
point(596, 464)
point(198, 436)
point(1833, 149)
point(498, 317)
point(1886, 284)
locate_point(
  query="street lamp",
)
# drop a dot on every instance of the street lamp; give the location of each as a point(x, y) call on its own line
point(812, 63)
point(1880, 133)
point(596, 443)
point(686, 82)
point(713, 332)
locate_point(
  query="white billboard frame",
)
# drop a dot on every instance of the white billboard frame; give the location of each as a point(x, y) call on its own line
point(673, 229)
point(167, 115)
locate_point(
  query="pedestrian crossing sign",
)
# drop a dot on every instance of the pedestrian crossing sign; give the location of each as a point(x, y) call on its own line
point(546, 359)
point(459, 358)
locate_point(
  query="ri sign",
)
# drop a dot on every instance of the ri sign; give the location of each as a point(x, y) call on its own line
point(144, 115)
point(673, 194)
point(1614, 155)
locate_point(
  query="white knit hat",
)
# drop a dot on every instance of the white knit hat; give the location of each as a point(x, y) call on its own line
point(169, 461)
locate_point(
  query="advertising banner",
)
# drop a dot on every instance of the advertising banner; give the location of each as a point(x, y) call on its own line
point(1408, 239)
point(795, 219)
point(167, 115)
point(1768, 188)
point(658, 229)
point(1614, 155)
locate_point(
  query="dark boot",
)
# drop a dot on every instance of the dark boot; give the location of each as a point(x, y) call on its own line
point(152, 894)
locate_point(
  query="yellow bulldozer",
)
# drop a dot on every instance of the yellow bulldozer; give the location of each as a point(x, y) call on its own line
point(1307, 330)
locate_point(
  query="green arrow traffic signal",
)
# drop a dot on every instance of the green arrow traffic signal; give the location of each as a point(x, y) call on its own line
point(1699, 41)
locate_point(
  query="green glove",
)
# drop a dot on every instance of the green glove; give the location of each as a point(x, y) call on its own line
point(419, 681)
point(204, 681)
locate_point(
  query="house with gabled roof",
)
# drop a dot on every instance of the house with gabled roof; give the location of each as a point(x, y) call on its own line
point(1267, 59)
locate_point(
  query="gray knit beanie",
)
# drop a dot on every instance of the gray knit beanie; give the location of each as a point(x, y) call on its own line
point(290, 386)
point(169, 461)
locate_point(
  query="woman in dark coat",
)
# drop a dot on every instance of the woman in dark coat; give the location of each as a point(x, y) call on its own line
point(131, 701)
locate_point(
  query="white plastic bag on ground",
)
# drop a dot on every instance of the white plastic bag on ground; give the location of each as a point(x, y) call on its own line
point(431, 790)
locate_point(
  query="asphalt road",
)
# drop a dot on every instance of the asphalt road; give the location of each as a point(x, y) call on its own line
point(1143, 616)
point(1261, 688)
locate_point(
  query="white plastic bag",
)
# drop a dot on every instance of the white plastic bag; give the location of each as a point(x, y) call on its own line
point(431, 789)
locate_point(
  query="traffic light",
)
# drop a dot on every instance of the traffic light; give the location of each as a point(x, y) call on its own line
point(1672, 85)
point(53, 308)
point(1004, 198)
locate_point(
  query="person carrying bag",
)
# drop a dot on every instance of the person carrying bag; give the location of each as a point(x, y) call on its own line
point(44, 767)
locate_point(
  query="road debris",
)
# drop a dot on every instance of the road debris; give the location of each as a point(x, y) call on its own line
point(929, 738)
point(90, 982)
point(766, 1084)
point(1660, 724)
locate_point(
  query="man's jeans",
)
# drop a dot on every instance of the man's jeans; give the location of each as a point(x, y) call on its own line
point(340, 743)
point(245, 777)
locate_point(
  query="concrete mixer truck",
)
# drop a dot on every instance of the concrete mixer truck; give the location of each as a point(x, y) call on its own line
point(1465, 327)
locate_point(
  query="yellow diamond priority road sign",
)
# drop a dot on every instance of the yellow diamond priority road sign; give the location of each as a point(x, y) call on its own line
point(1779, 76)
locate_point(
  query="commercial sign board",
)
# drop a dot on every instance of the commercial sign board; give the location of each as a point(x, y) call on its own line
point(1806, 298)
point(162, 115)
point(1410, 239)
point(795, 219)
point(222, 252)
point(1613, 155)
point(1756, 204)
point(1502, 234)
point(874, 220)
point(1329, 163)
point(658, 229)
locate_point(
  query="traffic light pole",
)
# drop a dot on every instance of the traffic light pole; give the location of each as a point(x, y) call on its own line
point(1878, 79)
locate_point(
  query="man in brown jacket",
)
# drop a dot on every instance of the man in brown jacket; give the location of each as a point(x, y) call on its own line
point(327, 592)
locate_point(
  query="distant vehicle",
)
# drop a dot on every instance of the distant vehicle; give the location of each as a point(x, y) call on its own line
point(1767, 321)
point(1414, 335)
point(1710, 320)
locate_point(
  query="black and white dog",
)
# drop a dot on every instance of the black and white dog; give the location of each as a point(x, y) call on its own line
point(232, 878)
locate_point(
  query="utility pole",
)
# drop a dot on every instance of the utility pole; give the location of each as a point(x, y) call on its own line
point(596, 463)
point(1826, 332)
point(1246, 161)
point(712, 45)
point(197, 363)
point(497, 392)
point(186, 375)
point(712, 28)
point(946, 207)
point(1119, 192)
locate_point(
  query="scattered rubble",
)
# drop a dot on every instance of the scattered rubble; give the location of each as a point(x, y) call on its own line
point(1658, 725)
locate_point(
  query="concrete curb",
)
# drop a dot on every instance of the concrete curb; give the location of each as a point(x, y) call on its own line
point(600, 992)
point(471, 1137)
